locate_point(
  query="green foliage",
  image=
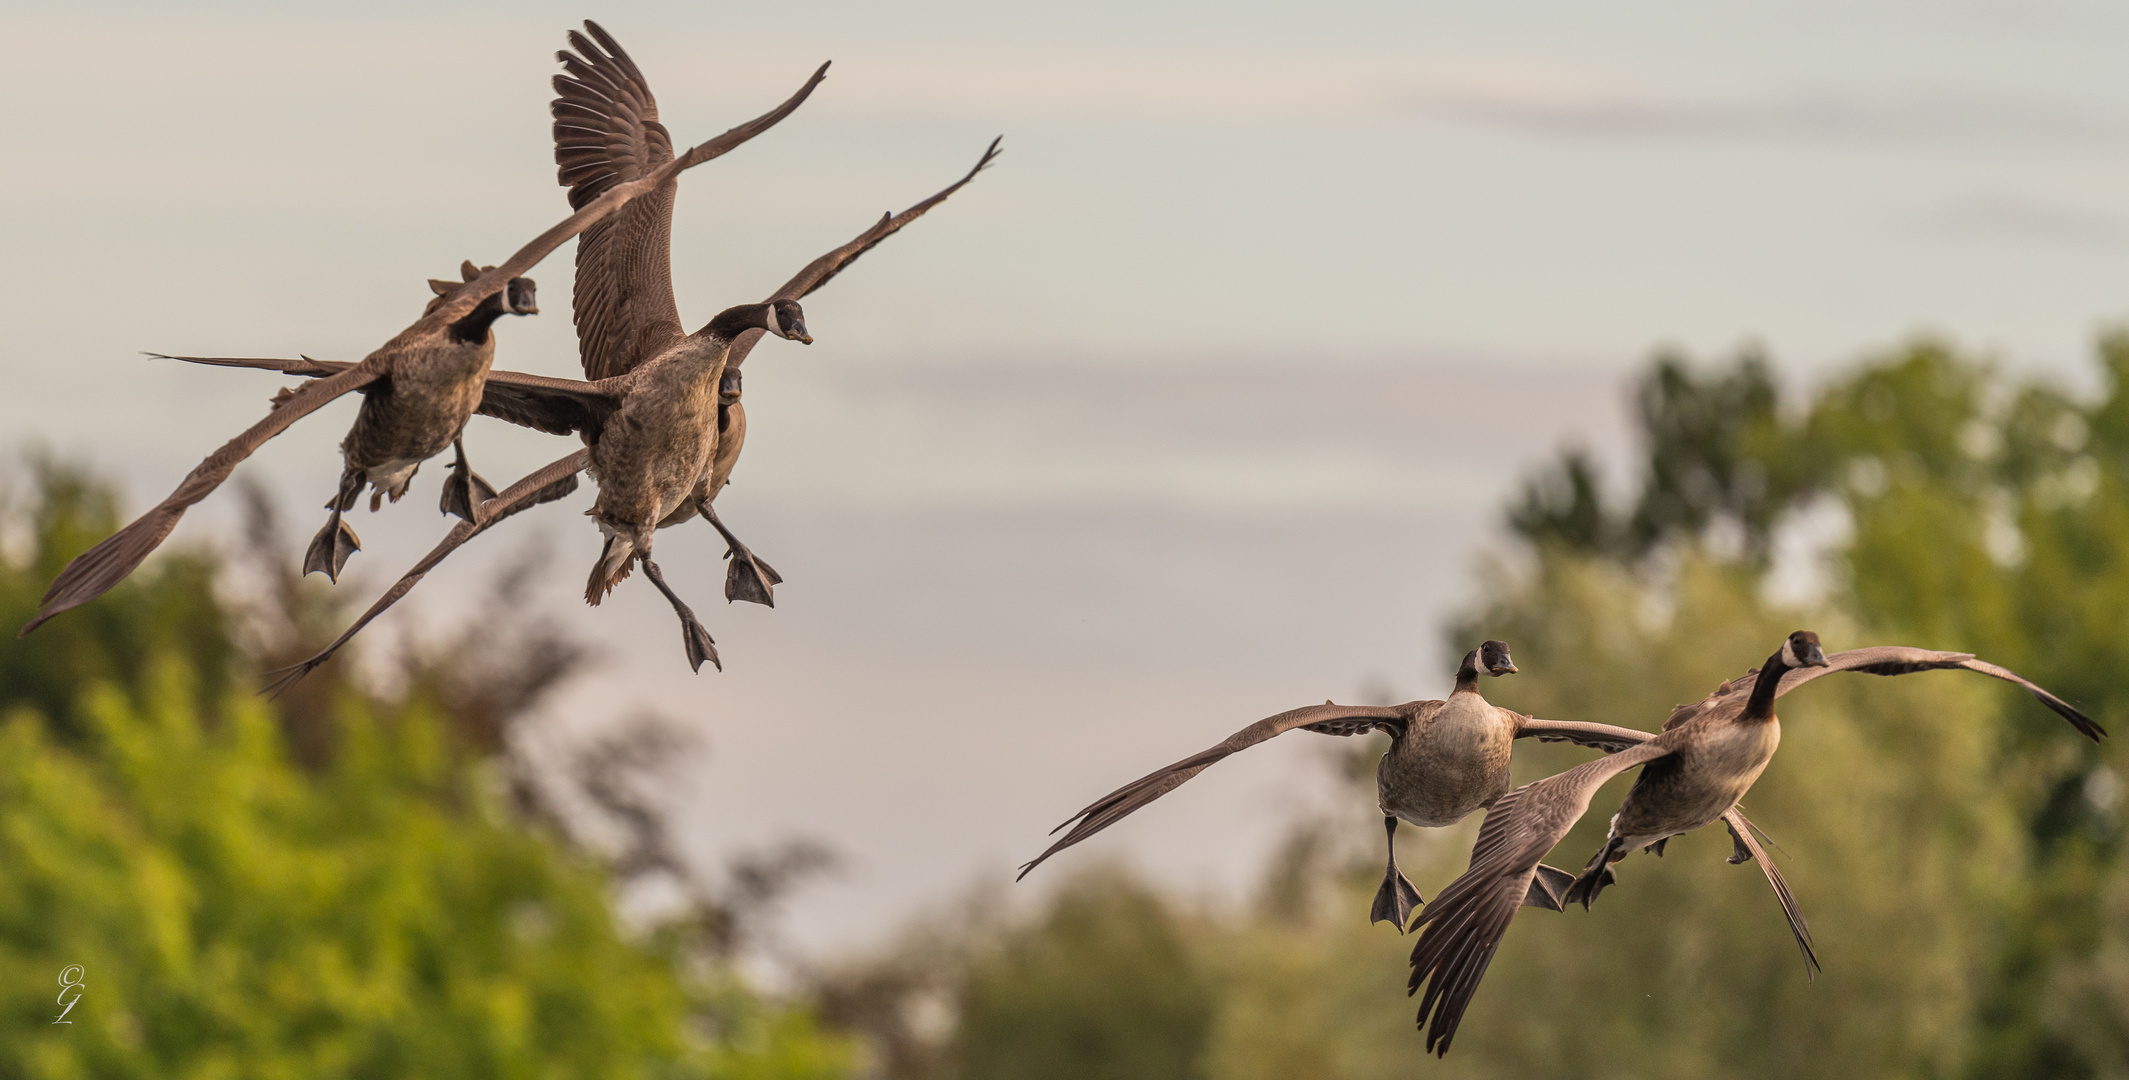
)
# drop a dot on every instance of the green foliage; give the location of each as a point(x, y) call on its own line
point(169, 614)
point(1103, 988)
point(1716, 451)
point(375, 912)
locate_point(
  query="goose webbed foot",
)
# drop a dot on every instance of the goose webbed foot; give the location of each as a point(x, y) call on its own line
point(749, 578)
point(1585, 888)
point(1397, 897)
point(746, 577)
point(693, 637)
point(1395, 901)
point(464, 490)
point(1548, 889)
point(330, 549)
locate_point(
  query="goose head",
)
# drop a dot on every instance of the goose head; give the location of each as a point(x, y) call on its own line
point(784, 318)
point(1490, 658)
point(1493, 659)
point(1801, 650)
point(519, 297)
point(728, 387)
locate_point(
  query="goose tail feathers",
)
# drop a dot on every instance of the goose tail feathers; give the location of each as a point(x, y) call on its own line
point(615, 561)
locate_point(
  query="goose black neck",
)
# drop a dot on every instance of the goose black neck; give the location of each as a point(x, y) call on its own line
point(734, 321)
point(1467, 675)
point(1760, 706)
point(473, 329)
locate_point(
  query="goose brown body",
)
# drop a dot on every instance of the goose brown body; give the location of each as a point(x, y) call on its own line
point(653, 458)
point(421, 408)
point(434, 389)
point(1449, 763)
point(1716, 762)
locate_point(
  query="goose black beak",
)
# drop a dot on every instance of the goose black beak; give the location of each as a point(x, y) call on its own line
point(1505, 668)
point(1816, 658)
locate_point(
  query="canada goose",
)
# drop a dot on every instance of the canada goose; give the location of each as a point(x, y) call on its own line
point(1446, 759)
point(431, 355)
point(563, 406)
point(606, 131)
point(1697, 768)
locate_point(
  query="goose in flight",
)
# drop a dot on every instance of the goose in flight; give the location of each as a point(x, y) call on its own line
point(1446, 759)
point(1693, 773)
point(675, 399)
point(606, 131)
point(419, 386)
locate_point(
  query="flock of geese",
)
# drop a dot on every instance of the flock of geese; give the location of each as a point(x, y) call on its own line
point(658, 412)
point(661, 425)
point(1449, 758)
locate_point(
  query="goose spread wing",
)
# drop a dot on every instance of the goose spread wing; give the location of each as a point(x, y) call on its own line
point(1464, 925)
point(606, 130)
point(316, 369)
point(1884, 660)
point(95, 571)
point(1327, 719)
point(1603, 737)
point(818, 272)
point(615, 197)
point(551, 482)
point(555, 406)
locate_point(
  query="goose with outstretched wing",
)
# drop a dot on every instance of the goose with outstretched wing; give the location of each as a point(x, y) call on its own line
point(1693, 773)
point(419, 389)
point(686, 433)
point(606, 131)
point(1446, 759)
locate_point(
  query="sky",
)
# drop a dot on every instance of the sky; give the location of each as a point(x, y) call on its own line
point(1201, 405)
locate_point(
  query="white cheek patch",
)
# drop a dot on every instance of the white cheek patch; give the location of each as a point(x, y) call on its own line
point(774, 326)
point(1789, 655)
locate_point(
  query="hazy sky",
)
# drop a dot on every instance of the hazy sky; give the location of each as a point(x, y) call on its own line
point(1199, 406)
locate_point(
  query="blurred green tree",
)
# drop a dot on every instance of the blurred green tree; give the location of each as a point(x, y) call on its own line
point(242, 904)
point(1103, 988)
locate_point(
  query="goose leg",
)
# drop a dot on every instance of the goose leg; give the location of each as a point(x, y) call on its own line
point(1397, 897)
point(692, 635)
point(1597, 875)
point(746, 577)
point(329, 550)
point(463, 489)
